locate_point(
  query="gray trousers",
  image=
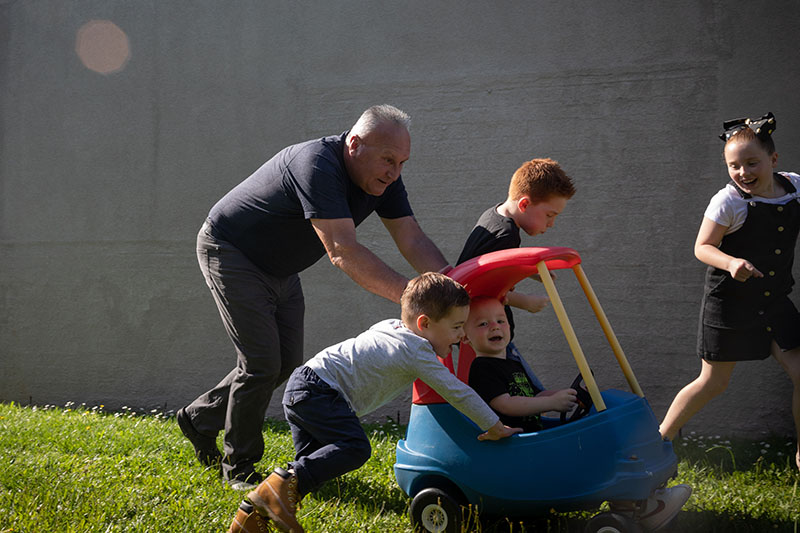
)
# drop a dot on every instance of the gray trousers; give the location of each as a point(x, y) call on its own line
point(263, 316)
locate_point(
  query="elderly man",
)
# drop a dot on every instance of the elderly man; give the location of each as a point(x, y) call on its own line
point(304, 202)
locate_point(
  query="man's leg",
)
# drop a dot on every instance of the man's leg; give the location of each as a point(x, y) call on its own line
point(267, 333)
point(249, 302)
point(202, 420)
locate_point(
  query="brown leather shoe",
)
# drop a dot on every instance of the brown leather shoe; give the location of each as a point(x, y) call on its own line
point(277, 498)
point(247, 520)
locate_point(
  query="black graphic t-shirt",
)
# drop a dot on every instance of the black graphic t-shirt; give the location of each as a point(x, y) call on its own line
point(492, 377)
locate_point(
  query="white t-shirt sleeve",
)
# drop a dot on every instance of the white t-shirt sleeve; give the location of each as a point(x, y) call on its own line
point(722, 208)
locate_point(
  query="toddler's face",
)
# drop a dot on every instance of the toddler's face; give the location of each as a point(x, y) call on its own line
point(750, 166)
point(487, 328)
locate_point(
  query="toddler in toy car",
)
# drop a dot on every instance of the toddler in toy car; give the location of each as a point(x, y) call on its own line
point(505, 385)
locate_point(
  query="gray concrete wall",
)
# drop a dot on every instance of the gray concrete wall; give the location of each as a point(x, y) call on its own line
point(105, 178)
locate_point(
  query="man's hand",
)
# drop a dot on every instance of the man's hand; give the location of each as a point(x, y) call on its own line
point(499, 431)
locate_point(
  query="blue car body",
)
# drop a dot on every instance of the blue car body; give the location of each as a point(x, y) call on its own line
point(615, 454)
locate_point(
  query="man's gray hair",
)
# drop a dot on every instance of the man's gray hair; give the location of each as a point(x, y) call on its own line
point(377, 115)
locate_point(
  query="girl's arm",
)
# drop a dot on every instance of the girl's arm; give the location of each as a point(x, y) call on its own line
point(562, 400)
point(706, 249)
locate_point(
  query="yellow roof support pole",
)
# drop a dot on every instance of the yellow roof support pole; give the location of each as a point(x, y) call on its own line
point(612, 338)
point(583, 365)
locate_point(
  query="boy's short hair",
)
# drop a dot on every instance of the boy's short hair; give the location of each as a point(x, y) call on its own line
point(431, 294)
point(539, 180)
point(747, 135)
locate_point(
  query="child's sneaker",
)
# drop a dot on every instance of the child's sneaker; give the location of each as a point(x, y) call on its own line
point(247, 520)
point(277, 498)
point(663, 505)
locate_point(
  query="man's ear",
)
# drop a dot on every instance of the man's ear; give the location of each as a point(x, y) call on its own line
point(423, 322)
point(523, 203)
point(353, 143)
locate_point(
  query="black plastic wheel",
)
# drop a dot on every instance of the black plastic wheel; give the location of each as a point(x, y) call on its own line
point(433, 510)
point(612, 523)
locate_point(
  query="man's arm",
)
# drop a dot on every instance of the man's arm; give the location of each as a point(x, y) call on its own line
point(416, 247)
point(365, 268)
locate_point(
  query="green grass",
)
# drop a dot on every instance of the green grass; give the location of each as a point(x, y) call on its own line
point(78, 469)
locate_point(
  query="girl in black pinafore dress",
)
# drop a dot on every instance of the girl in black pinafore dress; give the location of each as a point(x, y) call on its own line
point(747, 239)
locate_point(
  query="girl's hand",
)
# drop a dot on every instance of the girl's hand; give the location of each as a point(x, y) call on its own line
point(742, 270)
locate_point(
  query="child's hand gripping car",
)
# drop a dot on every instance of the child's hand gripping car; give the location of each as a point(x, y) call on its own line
point(612, 450)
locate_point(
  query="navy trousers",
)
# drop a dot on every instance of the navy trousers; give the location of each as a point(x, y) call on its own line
point(328, 438)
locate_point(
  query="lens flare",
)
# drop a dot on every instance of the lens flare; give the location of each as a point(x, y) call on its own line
point(102, 46)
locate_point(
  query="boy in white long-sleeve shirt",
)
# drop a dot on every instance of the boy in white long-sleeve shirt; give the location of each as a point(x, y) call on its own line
point(325, 397)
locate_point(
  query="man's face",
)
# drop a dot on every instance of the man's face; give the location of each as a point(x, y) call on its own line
point(487, 328)
point(377, 159)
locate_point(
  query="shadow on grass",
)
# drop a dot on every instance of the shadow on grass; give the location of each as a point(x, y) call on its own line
point(368, 495)
point(713, 522)
point(551, 523)
point(393, 500)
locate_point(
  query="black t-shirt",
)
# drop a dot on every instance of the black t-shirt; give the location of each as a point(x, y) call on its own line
point(492, 377)
point(267, 215)
point(491, 233)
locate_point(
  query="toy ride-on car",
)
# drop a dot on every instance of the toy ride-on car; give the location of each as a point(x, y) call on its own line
point(609, 450)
